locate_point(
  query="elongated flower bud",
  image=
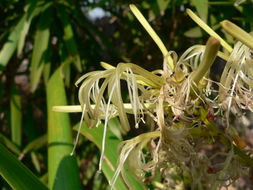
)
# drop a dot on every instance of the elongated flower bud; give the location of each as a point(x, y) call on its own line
point(212, 47)
point(238, 33)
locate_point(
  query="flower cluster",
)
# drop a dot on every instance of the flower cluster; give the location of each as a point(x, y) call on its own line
point(192, 135)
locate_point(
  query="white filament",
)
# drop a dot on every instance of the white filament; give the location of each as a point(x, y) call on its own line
point(79, 129)
point(105, 128)
point(232, 91)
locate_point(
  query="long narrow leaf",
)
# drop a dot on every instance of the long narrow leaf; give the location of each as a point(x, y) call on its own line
point(34, 145)
point(9, 144)
point(68, 37)
point(40, 46)
point(63, 173)
point(11, 44)
point(109, 166)
point(18, 176)
point(17, 35)
point(33, 11)
point(202, 8)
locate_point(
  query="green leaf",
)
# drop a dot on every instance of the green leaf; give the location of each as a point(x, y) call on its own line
point(193, 33)
point(68, 37)
point(16, 117)
point(35, 162)
point(31, 13)
point(162, 4)
point(9, 144)
point(18, 176)
point(23, 34)
point(202, 8)
point(34, 145)
point(39, 55)
point(113, 125)
point(17, 36)
point(44, 178)
point(62, 168)
point(109, 166)
point(10, 46)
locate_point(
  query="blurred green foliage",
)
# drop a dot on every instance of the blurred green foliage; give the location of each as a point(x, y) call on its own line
point(37, 37)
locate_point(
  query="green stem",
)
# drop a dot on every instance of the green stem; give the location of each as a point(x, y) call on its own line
point(16, 116)
point(152, 33)
point(209, 30)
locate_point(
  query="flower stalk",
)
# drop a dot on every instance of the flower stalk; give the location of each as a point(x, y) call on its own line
point(209, 30)
point(152, 33)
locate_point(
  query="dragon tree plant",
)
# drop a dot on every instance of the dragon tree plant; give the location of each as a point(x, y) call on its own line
point(185, 110)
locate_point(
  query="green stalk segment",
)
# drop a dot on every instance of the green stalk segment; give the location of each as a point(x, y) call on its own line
point(209, 30)
point(212, 48)
point(152, 33)
point(16, 117)
point(63, 172)
point(238, 33)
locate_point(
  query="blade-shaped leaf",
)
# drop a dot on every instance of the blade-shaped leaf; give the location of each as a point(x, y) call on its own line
point(68, 37)
point(17, 35)
point(193, 33)
point(18, 176)
point(9, 144)
point(162, 4)
point(202, 8)
point(62, 168)
point(39, 55)
point(36, 162)
point(109, 166)
point(34, 145)
point(10, 46)
point(23, 34)
point(31, 13)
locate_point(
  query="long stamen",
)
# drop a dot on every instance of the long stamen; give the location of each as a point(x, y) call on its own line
point(120, 166)
point(105, 128)
point(79, 129)
point(231, 95)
